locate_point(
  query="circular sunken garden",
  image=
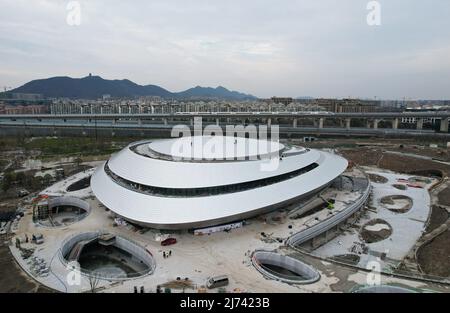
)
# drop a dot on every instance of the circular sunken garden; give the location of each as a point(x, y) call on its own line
point(377, 178)
point(375, 230)
point(400, 186)
point(61, 211)
point(284, 268)
point(397, 203)
point(107, 256)
point(419, 180)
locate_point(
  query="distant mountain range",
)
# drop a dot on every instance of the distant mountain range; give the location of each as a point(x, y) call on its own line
point(94, 87)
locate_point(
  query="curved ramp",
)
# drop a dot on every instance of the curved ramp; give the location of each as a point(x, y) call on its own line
point(77, 249)
point(319, 228)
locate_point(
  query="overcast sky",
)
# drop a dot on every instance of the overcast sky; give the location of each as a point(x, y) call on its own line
point(320, 48)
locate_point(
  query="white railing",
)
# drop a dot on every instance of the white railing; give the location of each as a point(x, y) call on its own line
point(336, 219)
point(306, 273)
point(122, 242)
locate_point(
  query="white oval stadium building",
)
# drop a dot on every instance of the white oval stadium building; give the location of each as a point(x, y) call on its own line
point(194, 182)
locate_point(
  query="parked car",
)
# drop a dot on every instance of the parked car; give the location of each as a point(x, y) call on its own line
point(168, 242)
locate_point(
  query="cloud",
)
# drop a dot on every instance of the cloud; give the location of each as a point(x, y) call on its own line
point(264, 47)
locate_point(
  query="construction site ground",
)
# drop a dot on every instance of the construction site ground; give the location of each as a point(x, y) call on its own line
point(213, 256)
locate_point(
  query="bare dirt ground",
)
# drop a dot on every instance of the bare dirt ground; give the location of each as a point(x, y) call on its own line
point(406, 164)
point(400, 145)
point(438, 216)
point(444, 197)
point(434, 258)
point(441, 154)
point(371, 156)
point(12, 278)
point(363, 156)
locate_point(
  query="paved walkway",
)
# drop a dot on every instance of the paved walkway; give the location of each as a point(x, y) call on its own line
point(195, 257)
point(407, 227)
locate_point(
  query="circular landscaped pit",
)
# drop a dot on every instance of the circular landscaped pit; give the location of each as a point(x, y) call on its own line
point(397, 203)
point(422, 180)
point(284, 268)
point(107, 256)
point(61, 211)
point(400, 186)
point(375, 230)
point(377, 178)
point(80, 184)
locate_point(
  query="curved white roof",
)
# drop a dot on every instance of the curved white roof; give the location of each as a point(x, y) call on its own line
point(214, 147)
point(179, 212)
point(191, 174)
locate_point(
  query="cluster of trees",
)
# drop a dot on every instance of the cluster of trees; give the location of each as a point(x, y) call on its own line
point(69, 146)
point(25, 180)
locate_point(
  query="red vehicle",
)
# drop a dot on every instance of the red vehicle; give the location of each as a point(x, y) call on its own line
point(168, 242)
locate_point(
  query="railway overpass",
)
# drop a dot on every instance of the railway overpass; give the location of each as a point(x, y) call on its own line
point(301, 123)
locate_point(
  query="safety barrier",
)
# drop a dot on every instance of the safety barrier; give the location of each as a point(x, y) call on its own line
point(122, 242)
